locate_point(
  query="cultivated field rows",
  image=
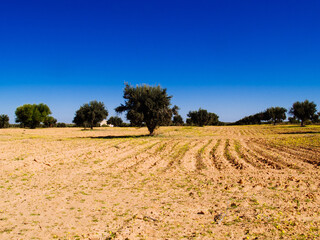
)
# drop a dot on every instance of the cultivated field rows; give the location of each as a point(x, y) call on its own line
point(242, 182)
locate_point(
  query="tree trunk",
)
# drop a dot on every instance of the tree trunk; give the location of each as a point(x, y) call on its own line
point(151, 129)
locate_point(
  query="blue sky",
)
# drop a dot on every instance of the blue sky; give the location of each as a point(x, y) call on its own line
point(233, 58)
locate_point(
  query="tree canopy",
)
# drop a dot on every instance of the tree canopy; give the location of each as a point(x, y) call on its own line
point(276, 114)
point(50, 122)
point(177, 120)
point(273, 114)
point(202, 117)
point(304, 111)
point(90, 114)
point(31, 115)
point(115, 121)
point(144, 104)
point(252, 119)
point(4, 121)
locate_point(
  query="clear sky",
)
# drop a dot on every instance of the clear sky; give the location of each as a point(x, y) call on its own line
point(233, 58)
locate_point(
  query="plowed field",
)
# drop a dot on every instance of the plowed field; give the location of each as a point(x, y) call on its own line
point(234, 182)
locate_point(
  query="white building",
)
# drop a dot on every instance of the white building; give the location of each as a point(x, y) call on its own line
point(104, 122)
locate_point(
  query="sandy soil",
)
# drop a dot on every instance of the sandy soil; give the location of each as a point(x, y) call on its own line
point(256, 182)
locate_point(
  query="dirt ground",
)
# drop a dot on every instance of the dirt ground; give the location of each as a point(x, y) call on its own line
point(234, 182)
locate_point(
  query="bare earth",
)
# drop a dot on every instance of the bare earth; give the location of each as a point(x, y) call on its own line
point(247, 182)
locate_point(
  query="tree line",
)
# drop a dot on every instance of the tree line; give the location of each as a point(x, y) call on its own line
point(150, 106)
point(301, 112)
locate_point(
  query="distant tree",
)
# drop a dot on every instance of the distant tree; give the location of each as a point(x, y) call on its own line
point(4, 121)
point(177, 119)
point(90, 114)
point(61, 125)
point(304, 111)
point(50, 121)
point(189, 122)
point(175, 110)
point(115, 121)
point(125, 124)
point(276, 114)
point(146, 105)
point(31, 115)
point(293, 120)
point(316, 118)
point(202, 117)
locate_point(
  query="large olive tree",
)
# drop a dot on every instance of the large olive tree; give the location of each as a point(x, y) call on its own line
point(304, 111)
point(144, 104)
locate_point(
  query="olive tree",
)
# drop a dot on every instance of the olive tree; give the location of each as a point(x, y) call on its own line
point(144, 104)
point(115, 121)
point(177, 119)
point(90, 114)
point(304, 111)
point(202, 117)
point(31, 115)
point(276, 114)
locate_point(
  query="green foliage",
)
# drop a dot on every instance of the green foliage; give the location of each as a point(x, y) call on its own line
point(115, 121)
point(4, 121)
point(146, 105)
point(31, 115)
point(202, 117)
point(316, 118)
point(304, 111)
point(175, 110)
point(50, 122)
point(90, 114)
point(61, 125)
point(253, 119)
point(276, 114)
point(177, 119)
point(293, 120)
point(273, 114)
